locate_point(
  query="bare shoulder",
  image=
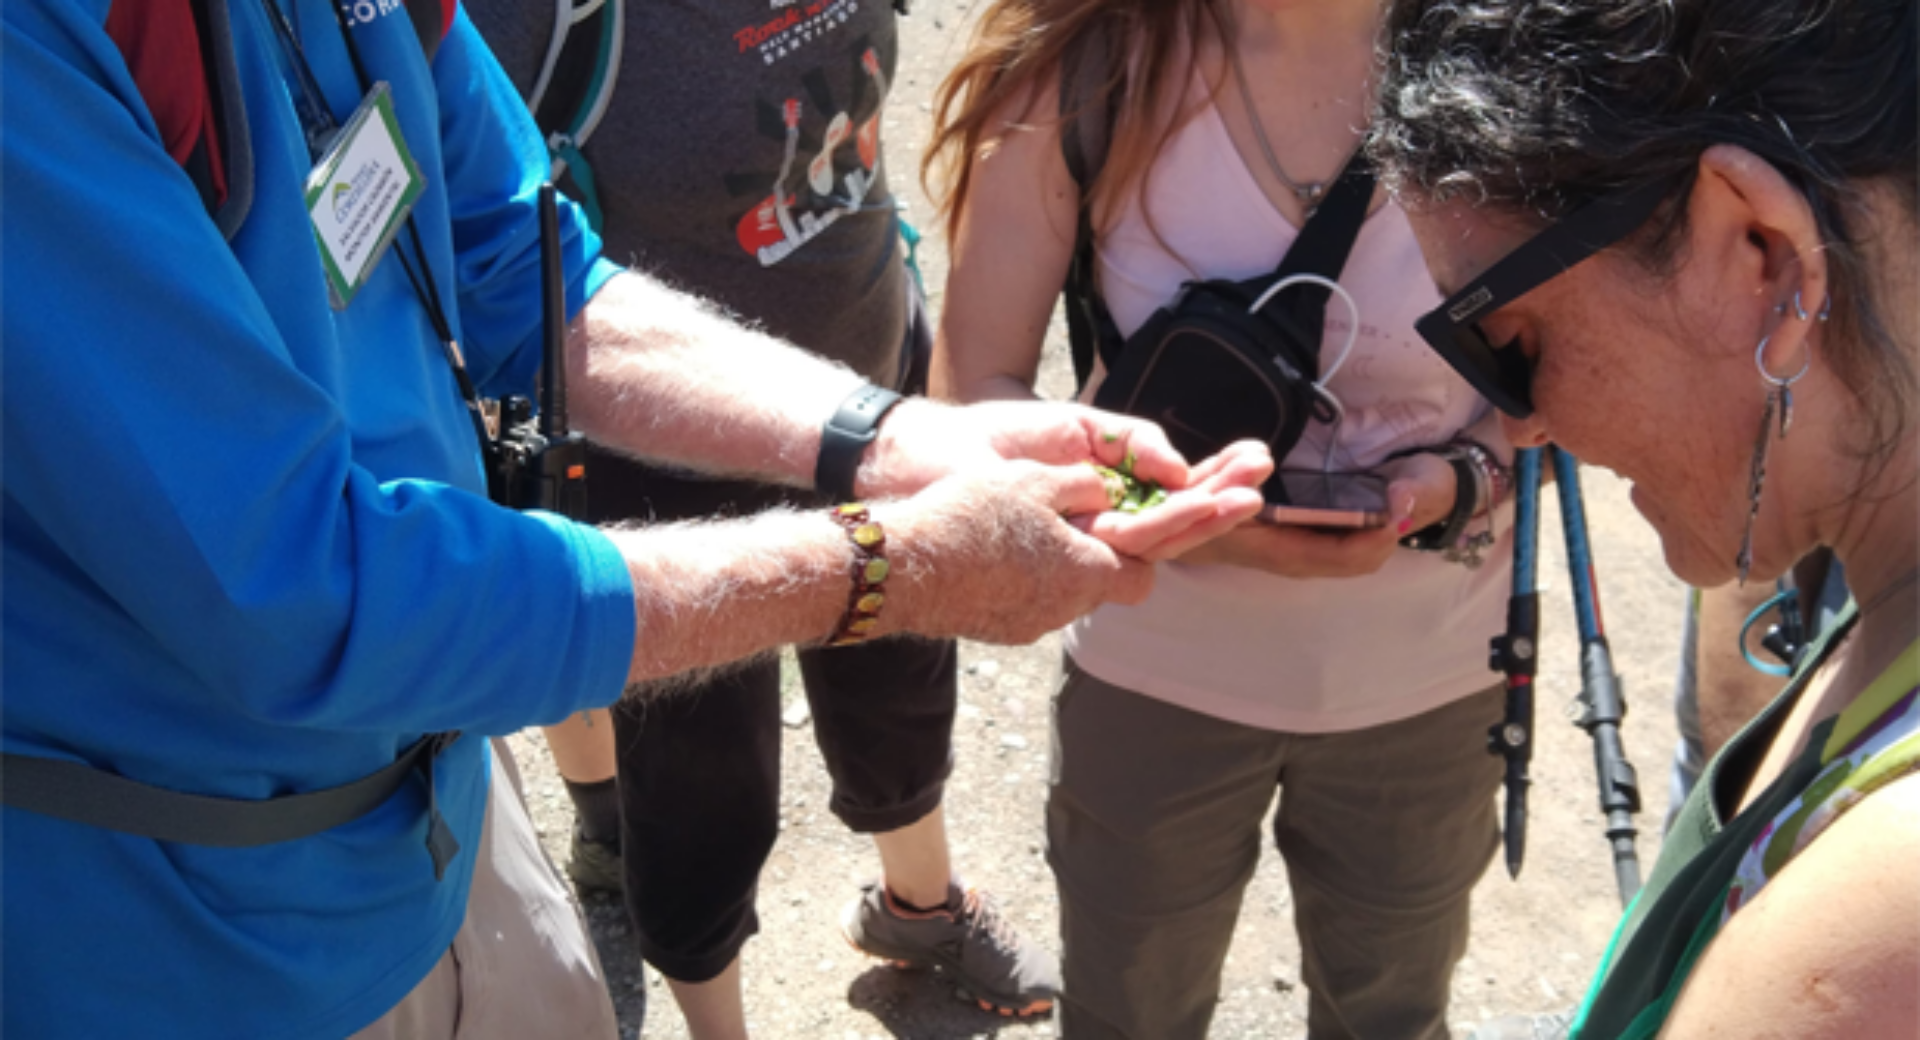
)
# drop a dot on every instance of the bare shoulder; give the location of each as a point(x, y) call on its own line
point(1830, 949)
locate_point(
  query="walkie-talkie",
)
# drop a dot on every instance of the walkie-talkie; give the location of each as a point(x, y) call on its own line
point(535, 462)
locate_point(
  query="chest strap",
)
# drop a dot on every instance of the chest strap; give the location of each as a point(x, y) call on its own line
point(82, 794)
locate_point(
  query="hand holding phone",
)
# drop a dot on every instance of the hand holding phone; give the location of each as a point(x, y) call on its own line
point(1310, 498)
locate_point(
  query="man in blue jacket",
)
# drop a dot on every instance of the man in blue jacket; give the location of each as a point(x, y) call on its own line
point(248, 553)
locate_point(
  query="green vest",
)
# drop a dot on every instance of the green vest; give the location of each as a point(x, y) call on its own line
point(1678, 913)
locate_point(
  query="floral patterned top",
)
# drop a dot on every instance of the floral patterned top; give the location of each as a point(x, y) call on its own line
point(1876, 742)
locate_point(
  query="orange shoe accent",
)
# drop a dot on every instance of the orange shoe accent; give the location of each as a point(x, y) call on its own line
point(1038, 1007)
point(888, 961)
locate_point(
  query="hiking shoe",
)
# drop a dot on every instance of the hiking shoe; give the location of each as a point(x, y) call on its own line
point(595, 866)
point(1004, 972)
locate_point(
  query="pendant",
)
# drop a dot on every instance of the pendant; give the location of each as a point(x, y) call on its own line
point(1757, 474)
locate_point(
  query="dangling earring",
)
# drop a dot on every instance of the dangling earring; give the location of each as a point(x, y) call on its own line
point(1780, 402)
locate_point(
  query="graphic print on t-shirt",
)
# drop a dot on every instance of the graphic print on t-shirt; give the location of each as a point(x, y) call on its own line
point(820, 179)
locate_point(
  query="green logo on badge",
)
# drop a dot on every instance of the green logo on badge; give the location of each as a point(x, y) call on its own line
point(342, 195)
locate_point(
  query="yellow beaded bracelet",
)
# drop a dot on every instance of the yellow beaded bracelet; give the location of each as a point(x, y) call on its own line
point(870, 572)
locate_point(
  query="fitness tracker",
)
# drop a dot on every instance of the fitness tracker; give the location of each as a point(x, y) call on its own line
point(844, 439)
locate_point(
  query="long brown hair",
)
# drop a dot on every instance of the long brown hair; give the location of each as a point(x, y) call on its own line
point(1018, 50)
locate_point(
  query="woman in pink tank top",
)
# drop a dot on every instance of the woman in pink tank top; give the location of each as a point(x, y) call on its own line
point(1342, 669)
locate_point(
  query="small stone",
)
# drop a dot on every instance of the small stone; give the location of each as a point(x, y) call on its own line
point(987, 669)
point(797, 714)
point(824, 966)
point(1013, 741)
point(969, 711)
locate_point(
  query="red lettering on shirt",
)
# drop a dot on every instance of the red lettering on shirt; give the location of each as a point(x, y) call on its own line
point(755, 35)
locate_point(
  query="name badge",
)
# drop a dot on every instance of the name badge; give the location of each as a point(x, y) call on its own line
point(360, 193)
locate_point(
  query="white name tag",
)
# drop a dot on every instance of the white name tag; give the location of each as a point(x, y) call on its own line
point(360, 193)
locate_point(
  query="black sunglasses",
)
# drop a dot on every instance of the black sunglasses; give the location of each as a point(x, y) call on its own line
point(1501, 372)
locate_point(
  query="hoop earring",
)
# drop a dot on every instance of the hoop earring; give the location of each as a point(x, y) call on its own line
point(1780, 402)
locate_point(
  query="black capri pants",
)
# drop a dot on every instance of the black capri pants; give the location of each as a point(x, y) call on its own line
point(700, 769)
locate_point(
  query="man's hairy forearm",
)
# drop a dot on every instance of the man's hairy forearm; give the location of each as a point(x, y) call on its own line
point(712, 592)
point(662, 375)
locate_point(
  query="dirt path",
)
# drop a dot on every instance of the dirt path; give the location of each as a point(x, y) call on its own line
point(1534, 942)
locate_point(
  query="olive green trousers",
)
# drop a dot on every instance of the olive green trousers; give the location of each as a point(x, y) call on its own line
point(1154, 829)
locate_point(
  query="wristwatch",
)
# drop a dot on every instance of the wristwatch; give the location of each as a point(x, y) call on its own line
point(855, 424)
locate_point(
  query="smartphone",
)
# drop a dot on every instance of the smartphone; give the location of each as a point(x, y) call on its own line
point(1310, 498)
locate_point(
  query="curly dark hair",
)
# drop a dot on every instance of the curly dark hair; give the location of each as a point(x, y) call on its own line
point(1537, 107)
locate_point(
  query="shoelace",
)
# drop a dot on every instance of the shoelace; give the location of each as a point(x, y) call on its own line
point(983, 916)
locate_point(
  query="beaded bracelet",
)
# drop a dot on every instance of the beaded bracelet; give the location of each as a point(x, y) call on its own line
point(1494, 482)
point(870, 572)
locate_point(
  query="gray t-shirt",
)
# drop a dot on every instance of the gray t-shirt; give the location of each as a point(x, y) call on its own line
point(740, 160)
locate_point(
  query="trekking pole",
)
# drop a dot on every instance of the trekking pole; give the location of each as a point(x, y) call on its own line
point(1601, 704)
point(1516, 654)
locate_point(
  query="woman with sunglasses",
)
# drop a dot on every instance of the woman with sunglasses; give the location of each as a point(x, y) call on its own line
point(1342, 670)
point(1681, 241)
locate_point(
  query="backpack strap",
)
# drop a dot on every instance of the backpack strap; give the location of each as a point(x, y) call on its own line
point(432, 21)
point(575, 87)
point(80, 793)
point(1086, 132)
point(1321, 248)
point(160, 42)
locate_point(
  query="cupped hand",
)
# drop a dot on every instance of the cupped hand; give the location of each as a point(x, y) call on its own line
point(987, 554)
point(1224, 494)
point(922, 441)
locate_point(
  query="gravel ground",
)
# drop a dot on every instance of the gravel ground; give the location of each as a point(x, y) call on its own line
point(1535, 940)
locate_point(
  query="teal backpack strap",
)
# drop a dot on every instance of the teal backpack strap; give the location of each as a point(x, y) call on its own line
point(575, 87)
point(910, 235)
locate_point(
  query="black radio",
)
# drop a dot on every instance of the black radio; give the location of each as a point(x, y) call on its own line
point(534, 461)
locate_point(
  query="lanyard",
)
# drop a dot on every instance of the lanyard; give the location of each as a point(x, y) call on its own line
point(320, 127)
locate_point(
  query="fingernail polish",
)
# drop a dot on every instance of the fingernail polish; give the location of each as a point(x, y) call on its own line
point(1406, 525)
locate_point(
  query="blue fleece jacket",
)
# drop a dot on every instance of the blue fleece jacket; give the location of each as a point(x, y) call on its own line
point(247, 549)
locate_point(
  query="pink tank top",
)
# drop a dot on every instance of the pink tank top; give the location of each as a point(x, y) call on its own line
point(1254, 648)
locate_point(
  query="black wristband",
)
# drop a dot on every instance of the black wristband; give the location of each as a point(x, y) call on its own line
point(1441, 536)
point(844, 439)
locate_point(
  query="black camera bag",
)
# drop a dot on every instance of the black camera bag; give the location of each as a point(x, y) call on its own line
point(1204, 367)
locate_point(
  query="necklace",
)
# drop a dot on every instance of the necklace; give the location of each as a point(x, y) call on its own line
point(1309, 193)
